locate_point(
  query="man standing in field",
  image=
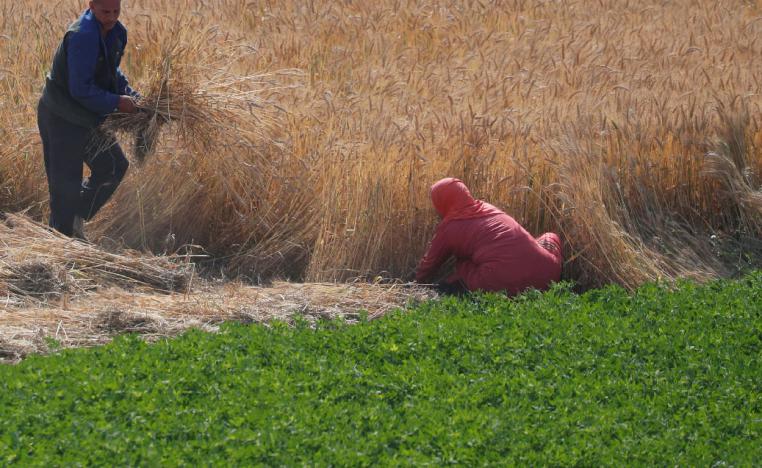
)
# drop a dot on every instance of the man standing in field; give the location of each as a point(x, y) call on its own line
point(84, 85)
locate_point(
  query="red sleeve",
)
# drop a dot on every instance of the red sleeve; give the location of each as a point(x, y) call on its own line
point(439, 250)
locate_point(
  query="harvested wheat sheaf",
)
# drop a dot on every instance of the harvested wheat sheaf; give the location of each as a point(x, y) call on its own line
point(39, 263)
point(204, 108)
point(34, 279)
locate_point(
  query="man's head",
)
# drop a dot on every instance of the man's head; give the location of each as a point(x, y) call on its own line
point(106, 12)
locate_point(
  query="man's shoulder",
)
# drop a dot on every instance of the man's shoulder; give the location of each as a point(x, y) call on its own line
point(85, 25)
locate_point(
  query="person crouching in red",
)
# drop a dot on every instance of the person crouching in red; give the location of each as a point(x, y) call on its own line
point(492, 251)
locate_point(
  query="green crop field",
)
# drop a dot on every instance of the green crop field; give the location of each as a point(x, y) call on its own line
point(659, 376)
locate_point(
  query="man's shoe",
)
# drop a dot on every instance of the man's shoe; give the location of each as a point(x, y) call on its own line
point(78, 231)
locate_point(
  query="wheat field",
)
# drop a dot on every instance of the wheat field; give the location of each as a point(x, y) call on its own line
point(634, 129)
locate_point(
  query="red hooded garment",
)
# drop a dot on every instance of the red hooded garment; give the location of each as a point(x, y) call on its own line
point(493, 251)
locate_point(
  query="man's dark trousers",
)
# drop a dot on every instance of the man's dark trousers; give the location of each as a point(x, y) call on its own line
point(66, 147)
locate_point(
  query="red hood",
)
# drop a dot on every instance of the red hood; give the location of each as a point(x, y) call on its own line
point(452, 200)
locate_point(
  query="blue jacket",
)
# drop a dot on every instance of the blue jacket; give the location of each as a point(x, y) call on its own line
point(85, 82)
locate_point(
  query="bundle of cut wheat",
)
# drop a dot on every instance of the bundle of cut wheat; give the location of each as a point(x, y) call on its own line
point(207, 108)
point(38, 262)
point(169, 97)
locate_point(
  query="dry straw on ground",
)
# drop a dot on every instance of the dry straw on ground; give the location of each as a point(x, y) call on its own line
point(78, 294)
point(37, 263)
point(96, 317)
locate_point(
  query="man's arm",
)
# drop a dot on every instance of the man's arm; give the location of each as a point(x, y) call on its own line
point(124, 85)
point(82, 54)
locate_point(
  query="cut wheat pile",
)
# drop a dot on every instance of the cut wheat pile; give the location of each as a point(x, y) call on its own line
point(77, 294)
point(41, 265)
point(205, 108)
point(97, 317)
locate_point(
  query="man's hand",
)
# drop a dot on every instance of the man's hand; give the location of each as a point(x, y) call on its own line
point(127, 105)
